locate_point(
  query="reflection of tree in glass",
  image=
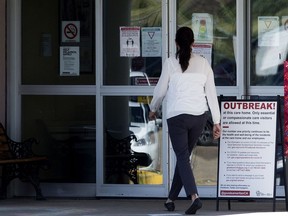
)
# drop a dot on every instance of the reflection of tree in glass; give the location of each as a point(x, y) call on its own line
point(266, 8)
point(146, 13)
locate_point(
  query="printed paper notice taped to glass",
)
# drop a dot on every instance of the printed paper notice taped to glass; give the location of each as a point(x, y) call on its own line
point(69, 61)
point(202, 26)
point(204, 50)
point(268, 31)
point(129, 41)
point(151, 41)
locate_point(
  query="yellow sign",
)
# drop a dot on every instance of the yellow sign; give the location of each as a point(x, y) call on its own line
point(144, 99)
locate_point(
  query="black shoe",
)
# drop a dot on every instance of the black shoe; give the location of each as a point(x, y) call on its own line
point(196, 205)
point(169, 206)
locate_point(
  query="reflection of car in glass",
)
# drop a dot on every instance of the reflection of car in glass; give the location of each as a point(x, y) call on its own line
point(206, 137)
point(145, 131)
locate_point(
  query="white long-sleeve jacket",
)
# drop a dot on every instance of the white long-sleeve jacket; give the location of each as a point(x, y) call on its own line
point(187, 92)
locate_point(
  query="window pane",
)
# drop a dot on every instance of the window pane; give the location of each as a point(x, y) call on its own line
point(132, 145)
point(135, 13)
point(269, 42)
point(214, 24)
point(65, 129)
point(50, 28)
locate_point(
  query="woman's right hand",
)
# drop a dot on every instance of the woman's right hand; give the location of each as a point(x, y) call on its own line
point(216, 131)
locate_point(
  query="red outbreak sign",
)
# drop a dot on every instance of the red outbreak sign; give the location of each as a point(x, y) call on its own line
point(250, 105)
point(246, 165)
point(286, 108)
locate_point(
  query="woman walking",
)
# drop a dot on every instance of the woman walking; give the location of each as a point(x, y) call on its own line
point(187, 82)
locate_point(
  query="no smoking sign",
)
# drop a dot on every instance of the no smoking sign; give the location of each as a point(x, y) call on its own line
point(70, 31)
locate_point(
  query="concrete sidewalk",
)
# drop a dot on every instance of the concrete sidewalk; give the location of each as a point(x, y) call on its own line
point(131, 207)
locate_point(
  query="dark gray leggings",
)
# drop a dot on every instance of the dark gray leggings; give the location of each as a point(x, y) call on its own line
point(184, 131)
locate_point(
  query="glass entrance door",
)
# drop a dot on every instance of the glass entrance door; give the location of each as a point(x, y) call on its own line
point(134, 150)
point(246, 43)
point(216, 39)
point(52, 88)
point(131, 68)
point(268, 50)
point(82, 75)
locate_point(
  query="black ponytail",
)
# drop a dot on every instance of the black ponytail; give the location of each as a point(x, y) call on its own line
point(184, 40)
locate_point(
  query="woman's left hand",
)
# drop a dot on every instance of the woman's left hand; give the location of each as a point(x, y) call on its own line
point(152, 115)
point(216, 131)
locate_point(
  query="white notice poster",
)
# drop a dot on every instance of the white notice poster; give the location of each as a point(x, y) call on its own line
point(247, 149)
point(69, 61)
point(129, 41)
point(205, 50)
point(151, 41)
point(268, 31)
